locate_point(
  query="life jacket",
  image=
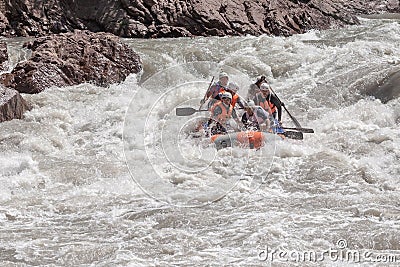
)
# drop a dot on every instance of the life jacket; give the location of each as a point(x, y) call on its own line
point(263, 102)
point(235, 99)
point(225, 114)
point(216, 89)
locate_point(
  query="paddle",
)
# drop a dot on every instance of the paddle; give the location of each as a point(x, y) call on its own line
point(187, 111)
point(304, 130)
point(205, 96)
point(190, 111)
point(294, 135)
point(290, 115)
point(293, 118)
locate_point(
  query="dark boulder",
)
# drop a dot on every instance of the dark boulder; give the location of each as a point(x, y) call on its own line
point(12, 105)
point(74, 58)
point(387, 88)
point(171, 18)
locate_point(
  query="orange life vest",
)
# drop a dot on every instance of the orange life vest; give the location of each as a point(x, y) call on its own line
point(264, 103)
point(235, 98)
point(216, 89)
point(225, 114)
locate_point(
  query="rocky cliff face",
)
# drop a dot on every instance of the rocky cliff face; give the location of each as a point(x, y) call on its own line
point(12, 105)
point(73, 58)
point(171, 18)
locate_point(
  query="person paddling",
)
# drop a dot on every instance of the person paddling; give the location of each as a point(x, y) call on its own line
point(255, 117)
point(255, 87)
point(221, 112)
point(267, 100)
point(236, 99)
point(217, 88)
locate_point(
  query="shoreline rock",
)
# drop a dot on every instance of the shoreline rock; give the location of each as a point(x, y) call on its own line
point(73, 58)
point(170, 18)
point(12, 105)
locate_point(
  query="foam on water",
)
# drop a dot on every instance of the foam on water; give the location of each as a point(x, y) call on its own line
point(68, 198)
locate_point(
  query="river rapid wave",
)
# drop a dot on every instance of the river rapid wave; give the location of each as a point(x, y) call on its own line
point(72, 171)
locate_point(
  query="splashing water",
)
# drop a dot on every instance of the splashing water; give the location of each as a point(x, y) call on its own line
point(68, 169)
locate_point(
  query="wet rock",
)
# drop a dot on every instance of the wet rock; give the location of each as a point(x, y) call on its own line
point(3, 56)
point(12, 105)
point(10, 217)
point(170, 18)
point(387, 88)
point(74, 58)
point(3, 23)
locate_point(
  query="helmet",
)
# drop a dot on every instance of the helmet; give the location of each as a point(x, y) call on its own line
point(264, 87)
point(233, 86)
point(223, 74)
point(226, 95)
point(250, 104)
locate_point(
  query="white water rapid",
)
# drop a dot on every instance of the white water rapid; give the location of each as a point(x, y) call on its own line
point(72, 171)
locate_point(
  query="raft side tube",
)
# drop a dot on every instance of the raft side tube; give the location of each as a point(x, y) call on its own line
point(251, 139)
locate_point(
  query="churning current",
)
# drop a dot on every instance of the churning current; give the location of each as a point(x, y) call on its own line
point(105, 177)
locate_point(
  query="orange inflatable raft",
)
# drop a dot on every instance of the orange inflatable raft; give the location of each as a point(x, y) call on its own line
point(251, 139)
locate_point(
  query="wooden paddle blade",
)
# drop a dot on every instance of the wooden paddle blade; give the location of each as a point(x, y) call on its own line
point(294, 135)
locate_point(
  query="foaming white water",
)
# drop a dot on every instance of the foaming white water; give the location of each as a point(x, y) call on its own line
point(68, 198)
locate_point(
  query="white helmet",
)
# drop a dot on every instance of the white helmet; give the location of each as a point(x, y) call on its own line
point(250, 104)
point(264, 87)
point(233, 86)
point(223, 74)
point(226, 95)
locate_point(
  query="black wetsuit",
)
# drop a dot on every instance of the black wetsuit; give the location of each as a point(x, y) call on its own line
point(275, 101)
